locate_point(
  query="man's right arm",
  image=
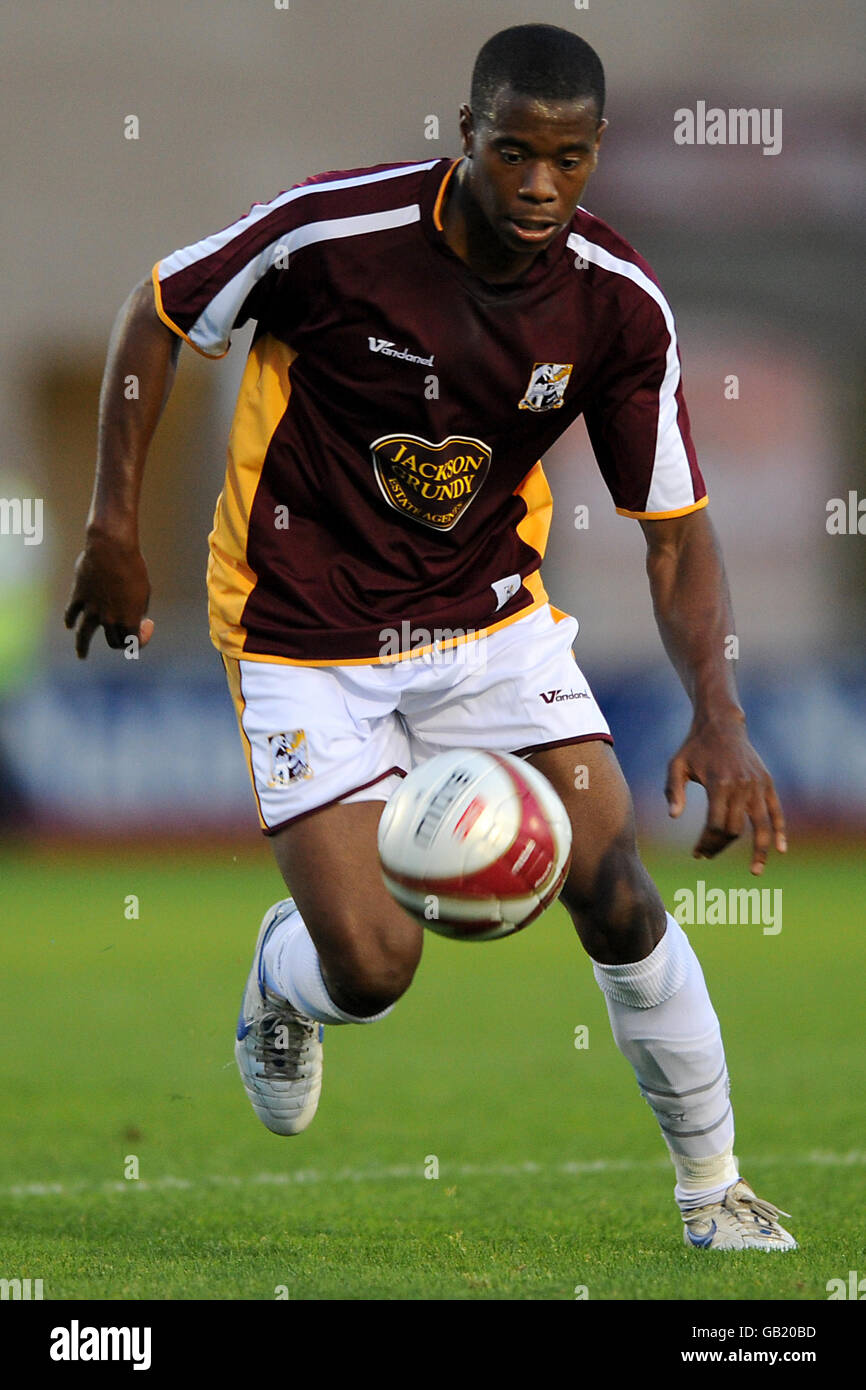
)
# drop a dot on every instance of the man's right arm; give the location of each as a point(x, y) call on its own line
point(111, 588)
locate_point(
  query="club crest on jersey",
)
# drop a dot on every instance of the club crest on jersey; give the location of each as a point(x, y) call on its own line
point(547, 386)
point(432, 484)
point(288, 758)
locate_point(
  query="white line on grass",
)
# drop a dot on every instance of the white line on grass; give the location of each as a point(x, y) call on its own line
point(817, 1158)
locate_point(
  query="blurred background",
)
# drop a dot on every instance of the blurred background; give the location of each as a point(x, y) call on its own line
point(234, 100)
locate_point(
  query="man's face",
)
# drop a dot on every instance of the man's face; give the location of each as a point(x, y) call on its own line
point(528, 164)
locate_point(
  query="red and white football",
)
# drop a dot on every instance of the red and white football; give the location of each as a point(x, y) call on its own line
point(474, 845)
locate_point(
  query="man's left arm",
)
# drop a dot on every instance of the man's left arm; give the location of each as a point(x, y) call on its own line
point(694, 616)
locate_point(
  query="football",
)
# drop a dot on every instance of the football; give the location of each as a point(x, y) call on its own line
point(474, 845)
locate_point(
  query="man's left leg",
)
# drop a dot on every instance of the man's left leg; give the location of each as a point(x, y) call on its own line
point(660, 1012)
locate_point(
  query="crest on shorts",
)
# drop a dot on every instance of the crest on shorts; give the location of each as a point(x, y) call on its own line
point(431, 483)
point(288, 758)
point(547, 386)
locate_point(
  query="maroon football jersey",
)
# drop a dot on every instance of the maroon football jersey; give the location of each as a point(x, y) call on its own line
point(384, 466)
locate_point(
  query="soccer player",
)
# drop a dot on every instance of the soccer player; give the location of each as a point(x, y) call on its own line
point(424, 332)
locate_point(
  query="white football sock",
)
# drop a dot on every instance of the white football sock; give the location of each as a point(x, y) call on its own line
point(291, 969)
point(663, 1022)
point(704, 1180)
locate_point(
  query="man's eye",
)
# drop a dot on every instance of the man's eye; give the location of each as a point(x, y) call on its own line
point(511, 156)
point(569, 164)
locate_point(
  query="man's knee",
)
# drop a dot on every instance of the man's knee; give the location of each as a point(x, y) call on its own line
point(368, 948)
point(614, 904)
point(608, 892)
point(365, 969)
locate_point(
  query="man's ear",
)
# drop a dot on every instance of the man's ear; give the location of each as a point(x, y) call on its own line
point(467, 130)
point(602, 127)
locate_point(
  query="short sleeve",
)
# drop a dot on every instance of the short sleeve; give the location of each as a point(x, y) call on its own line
point(637, 421)
point(205, 290)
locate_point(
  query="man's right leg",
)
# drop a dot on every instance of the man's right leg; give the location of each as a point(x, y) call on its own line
point(367, 947)
point(324, 747)
point(339, 951)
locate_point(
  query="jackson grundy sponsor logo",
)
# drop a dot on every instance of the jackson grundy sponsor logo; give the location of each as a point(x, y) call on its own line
point(431, 483)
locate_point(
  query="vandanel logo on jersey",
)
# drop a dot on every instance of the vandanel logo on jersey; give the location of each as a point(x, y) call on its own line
point(431, 483)
point(389, 349)
point(547, 386)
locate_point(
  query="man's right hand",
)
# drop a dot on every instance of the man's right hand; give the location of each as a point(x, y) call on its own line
point(111, 590)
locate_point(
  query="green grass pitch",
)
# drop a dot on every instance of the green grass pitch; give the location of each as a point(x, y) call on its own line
point(552, 1178)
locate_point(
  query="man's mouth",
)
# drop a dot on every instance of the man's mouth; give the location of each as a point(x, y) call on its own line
point(532, 229)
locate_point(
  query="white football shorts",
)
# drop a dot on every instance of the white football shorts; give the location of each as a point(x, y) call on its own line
point(317, 735)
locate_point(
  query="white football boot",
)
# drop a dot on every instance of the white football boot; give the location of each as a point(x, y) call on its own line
point(740, 1221)
point(278, 1050)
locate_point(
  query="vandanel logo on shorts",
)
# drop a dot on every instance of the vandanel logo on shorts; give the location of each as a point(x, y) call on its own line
point(547, 386)
point(551, 697)
point(431, 483)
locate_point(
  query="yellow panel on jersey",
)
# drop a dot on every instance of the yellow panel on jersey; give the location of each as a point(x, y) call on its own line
point(534, 529)
point(262, 402)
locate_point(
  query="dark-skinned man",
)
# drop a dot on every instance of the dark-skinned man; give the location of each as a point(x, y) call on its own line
point(424, 333)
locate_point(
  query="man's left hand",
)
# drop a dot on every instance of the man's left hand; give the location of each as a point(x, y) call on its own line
point(738, 786)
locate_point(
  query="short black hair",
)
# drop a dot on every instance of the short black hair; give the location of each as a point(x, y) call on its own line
point(539, 60)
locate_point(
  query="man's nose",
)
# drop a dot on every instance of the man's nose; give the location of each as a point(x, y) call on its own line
point(537, 183)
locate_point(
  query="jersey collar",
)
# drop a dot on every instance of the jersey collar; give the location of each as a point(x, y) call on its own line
point(432, 201)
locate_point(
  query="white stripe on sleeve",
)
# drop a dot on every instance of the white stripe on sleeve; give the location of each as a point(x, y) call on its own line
point(212, 329)
point(211, 332)
point(671, 486)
